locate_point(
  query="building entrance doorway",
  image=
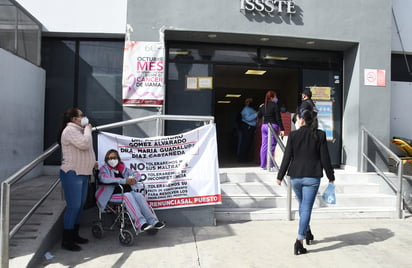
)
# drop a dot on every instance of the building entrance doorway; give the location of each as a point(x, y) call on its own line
point(232, 87)
point(223, 67)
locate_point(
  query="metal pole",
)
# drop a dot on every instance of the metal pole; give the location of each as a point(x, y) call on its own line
point(362, 160)
point(5, 224)
point(289, 197)
point(399, 193)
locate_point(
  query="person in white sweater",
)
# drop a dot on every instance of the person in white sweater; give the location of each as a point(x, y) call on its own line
point(78, 161)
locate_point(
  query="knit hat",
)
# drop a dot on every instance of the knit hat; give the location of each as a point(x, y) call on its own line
point(307, 92)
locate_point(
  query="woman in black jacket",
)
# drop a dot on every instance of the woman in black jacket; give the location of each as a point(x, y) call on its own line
point(305, 157)
point(270, 112)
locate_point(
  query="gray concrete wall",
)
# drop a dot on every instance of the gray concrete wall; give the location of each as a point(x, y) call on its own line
point(401, 91)
point(22, 116)
point(402, 10)
point(366, 23)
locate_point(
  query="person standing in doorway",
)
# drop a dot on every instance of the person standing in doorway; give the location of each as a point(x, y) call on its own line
point(306, 156)
point(306, 104)
point(247, 130)
point(78, 161)
point(270, 112)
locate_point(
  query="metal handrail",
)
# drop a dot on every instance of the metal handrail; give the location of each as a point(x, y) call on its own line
point(271, 131)
point(159, 130)
point(5, 234)
point(398, 190)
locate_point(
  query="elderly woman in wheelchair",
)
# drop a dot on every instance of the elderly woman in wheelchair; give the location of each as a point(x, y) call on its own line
point(119, 184)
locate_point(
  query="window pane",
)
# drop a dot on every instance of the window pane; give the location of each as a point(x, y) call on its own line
point(400, 68)
point(58, 59)
point(100, 81)
point(88, 78)
point(180, 99)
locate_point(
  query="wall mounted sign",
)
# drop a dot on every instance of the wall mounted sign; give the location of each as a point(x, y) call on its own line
point(205, 82)
point(198, 82)
point(320, 93)
point(325, 117)
point(191, 83)
point(269, 7)
point(375, 77)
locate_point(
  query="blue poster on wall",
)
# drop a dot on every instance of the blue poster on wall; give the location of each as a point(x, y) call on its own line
point(325, 117)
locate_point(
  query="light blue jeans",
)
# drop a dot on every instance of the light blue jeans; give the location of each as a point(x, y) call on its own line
point(75, 192)
point(306, 190)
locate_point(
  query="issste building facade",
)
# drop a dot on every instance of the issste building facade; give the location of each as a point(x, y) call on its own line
point(341, 50)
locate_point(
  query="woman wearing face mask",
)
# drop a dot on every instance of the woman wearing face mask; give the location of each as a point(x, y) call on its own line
point(270, 112)
point(78, 161)
point(115, 172)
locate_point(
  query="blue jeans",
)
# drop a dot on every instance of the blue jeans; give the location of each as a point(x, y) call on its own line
point(75, 193)
point(306, 190)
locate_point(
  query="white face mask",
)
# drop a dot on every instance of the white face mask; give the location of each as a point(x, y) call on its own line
point(297, 125)
point(113, 162)
point(84, 121)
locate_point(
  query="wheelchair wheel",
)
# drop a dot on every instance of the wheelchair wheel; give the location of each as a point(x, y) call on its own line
point(126, 237)
point(152, 231)
point(97, 230)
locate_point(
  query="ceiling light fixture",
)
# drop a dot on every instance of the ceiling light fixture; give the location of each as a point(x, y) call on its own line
point(264, 39)
point(310, 42)
point(224, 101)
point(233, 95)
point(269, 57)
point(212, 35)
point(255, 72)
point(179, 52)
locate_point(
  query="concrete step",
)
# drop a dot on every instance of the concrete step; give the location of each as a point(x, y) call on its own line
point(245, 214)
point(252, 194)
point(343, 200)
point(256, 174)
point(253, 188)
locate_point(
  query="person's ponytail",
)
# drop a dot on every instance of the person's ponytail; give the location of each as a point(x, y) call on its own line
point(311, 120)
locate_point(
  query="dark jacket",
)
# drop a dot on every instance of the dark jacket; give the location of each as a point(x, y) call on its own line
point(271, 114)
point(306, 157)
point(308, 105)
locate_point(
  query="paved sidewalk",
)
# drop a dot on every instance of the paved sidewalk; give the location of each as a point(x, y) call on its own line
point(338, 243)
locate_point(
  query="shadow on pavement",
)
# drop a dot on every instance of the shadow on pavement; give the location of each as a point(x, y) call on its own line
point(357, 238)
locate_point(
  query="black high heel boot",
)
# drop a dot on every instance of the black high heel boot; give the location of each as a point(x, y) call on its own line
point(298, 248)
point(309, 237)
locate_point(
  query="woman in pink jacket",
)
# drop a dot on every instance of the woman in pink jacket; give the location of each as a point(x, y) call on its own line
point(78, 161)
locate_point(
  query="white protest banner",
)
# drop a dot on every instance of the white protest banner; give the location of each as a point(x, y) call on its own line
point(143, 73)
point(180, 170)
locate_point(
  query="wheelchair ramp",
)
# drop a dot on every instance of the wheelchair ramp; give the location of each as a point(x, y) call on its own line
point(252, 194)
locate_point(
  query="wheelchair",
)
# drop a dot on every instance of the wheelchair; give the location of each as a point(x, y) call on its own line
point(117, 214)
